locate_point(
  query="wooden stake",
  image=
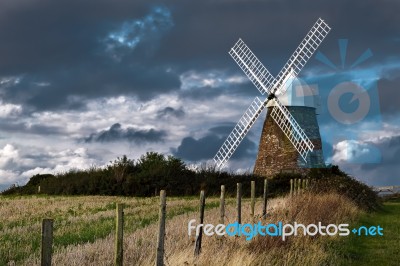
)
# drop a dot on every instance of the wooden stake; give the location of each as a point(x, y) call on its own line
point(239, 203)
point(265, 198)
point(253, 198)
point(47, 242)
point(197, 247)
point(222, 206)
point(299, 186)
point(119, 235)
point(161, 229)
point(291, 187)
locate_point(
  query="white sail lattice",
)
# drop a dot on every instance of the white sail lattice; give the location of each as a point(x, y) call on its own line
point(252, 67)
point(239, 132)
point(292, 129)
point(302, 53)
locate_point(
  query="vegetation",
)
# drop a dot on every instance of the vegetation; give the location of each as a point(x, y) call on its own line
point(154, 171)
point(332, 179)
point(307, 208)
point(84, 225)
point(84, 230)
point(144, 177)
point(374, 250)
point(78, 220)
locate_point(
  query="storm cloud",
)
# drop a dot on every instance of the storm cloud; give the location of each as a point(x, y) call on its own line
point(127, 77)
point(66, 53)
point(171, 112)
point(206, 147)
point(117, 133)
point(389, 90)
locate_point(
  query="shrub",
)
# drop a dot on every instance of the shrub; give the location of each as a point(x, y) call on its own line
point(358, 192)
point(154, 171)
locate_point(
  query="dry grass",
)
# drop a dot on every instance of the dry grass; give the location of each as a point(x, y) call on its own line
point(305, 250)
point(140, 242)
point(78, 220)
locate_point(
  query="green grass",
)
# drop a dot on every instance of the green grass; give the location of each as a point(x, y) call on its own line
point(374, 250)
point(77, 220)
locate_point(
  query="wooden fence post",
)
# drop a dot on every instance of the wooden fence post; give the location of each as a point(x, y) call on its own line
point(291, 187)
point(304, 185)
point(161, 229)
point(253, 198)
point(119, 235)
point(265, 198)
point(222, 206)
point(47, 242)
point(239, 203)
point(197, 247)
point(307, 184)
point(299, 186)
point(295, 186)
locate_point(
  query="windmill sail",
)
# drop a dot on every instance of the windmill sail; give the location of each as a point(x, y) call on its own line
point(302, 53)
point(252, 67)
point(239, 132)
point(292, 129)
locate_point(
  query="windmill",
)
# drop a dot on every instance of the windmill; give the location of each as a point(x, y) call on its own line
point(274, 88)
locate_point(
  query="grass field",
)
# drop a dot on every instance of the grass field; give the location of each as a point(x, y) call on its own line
point(84, 230)
point(375, 250)
point(78, 220)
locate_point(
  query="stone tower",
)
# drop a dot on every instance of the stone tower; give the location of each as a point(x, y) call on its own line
point(276, 153)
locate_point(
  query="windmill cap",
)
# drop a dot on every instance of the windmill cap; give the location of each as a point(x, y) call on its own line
point(299, 93)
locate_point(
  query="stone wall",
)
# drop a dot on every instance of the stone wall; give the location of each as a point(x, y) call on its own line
point(276, 153)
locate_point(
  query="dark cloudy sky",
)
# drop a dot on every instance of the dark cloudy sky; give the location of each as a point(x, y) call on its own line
point(82, 82)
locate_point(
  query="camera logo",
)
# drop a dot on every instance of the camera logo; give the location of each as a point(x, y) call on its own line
point(359, 94)
point(351, 109)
